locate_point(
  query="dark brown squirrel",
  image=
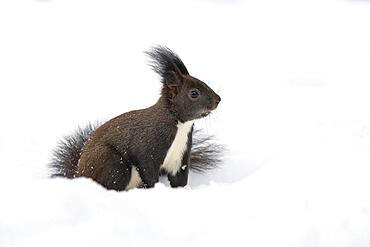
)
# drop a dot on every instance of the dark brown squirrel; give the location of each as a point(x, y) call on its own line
point(132, 150)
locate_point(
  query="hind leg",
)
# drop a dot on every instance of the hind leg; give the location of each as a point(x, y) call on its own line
point(106, 166)
point(115, 175)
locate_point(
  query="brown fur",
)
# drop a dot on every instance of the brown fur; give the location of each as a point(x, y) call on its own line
point(141, 138)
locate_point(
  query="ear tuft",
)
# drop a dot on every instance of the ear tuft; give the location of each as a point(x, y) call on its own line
point(164, 61)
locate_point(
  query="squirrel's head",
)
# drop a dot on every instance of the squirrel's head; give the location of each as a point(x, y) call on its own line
point(187, 97)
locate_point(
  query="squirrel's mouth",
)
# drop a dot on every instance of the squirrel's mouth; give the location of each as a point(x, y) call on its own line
point(207, 110)
point(205, 113)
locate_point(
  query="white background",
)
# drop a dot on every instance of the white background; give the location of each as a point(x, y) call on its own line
point(295, 115)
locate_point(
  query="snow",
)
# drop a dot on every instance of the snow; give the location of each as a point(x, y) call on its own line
point(295, 114)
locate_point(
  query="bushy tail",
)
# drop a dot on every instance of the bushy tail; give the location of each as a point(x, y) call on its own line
point(66, 155)
point(205, 153)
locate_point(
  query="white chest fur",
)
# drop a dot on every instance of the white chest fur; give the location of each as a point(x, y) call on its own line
point(172, 162)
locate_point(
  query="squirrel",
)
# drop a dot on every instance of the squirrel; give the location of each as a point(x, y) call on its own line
point(134, 149)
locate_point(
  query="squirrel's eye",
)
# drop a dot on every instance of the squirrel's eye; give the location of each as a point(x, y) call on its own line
point(194, 93)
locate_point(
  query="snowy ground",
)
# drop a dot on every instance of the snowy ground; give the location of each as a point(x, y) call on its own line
point(295, 113)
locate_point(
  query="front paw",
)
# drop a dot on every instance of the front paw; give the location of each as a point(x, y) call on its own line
point(148, 185)
point(178, 183)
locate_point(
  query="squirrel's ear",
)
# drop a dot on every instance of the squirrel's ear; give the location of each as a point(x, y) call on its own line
point(173, 81)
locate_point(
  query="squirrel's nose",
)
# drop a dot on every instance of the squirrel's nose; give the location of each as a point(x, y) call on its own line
point(218, 99)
